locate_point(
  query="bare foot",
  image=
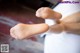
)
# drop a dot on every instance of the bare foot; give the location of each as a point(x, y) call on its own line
point(47, 13)
point(21, 31)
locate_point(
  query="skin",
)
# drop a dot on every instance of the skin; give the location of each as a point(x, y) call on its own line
point(47, 13)
point(72, 23)
point(69, 24)
point(22, 31)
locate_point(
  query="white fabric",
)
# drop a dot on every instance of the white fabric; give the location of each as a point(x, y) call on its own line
point(63, 42)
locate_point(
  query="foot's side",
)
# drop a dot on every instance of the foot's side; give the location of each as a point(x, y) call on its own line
point(47, 13)
point(21, 31)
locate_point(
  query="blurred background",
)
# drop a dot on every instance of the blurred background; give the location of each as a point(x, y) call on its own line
point(13, 12)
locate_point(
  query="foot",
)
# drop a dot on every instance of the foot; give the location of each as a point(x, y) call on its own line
point(21, 31)
point(47, 13)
